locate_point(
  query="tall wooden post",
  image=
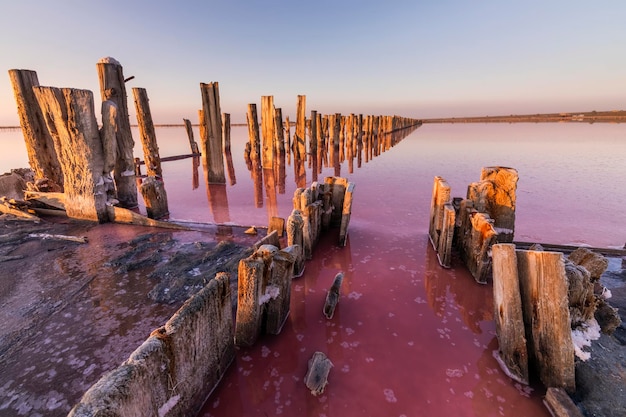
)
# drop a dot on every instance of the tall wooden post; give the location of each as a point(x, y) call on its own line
point(543, 288)
point(268, 128)
point(112, 87)
point(299, 138)
point(211, 142)
point(508, 316)
point(69, 114)
point(227, 152)
point(280, 151)
point(255, 153)
point(147, 134)
point(42, 155)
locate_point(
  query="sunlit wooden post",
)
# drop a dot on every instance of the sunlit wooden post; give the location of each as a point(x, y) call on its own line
point(279, 165)
point(255, 153)
point(268, 128)
point(113, 87)
point(508, 316)
point(345, 214)
point(70, 117)
point(42, 155)
point(147, 133)
point(227, 151)
point(211, 141)
point(313, 138)
point(440, 196)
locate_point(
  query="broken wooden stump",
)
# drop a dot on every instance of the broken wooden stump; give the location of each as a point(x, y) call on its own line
point(440, 197)
point(332, 298)
point(476, 242)
point(108, 136)
point(264, 293)
point(155, 197)
point(295, 237)
point(277, 224)
point(512, 354)
point(70, 117)
point(345, 214)
point(316, 377)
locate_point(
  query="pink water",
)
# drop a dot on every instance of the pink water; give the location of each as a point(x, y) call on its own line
point(408, 337)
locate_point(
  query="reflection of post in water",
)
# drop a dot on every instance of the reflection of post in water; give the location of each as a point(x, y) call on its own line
point(227, 154)
point(218, 203)
point(195, 175)
point(279, 165)
point(255, 154)
point(288, 140)
point(320, 144)
point(270, 192)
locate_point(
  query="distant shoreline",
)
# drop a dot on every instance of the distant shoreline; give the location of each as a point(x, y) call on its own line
point(611, 116)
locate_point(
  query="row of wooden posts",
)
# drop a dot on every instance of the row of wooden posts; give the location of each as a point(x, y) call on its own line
point(539, 296)
point(66, 147)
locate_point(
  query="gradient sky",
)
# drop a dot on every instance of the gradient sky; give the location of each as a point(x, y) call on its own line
point(412, 58)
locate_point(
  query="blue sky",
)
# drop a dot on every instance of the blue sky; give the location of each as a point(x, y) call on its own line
point(411, 58)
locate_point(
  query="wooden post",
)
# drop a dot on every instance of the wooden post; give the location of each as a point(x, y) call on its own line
point(147, 133)
point(512, 354)
point(279, 283)
point(279, 167)
point(108, 136)
point(155, 197)
point(295, 238)
point(42, 155)
point(268, 128)
point(192, 143)
point(299, 138)
point(227, 152)
point(69, 114)
point(444, 246)
point(313, 138)
point(112, 87)
point(495, 195)
point(543, 288)
point(476, 245)
point(345, 214)
point(440, 196)
point(211, 142)
point(249, 308)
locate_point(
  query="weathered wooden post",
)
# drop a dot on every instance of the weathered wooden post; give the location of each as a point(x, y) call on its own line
point(147, 133)
point(112, 87)
point(227, 152)
point(42, 155)
point(477, 242)
point(279, 282)
point(295, 238)
point(513, 353)
point(279, 166)
point(70, 117)
point(211, 142)
point(192, 143)
point(299, 138)
point(543, 288)
point(444, 247)
point(440, 196)
point(155, 197)
point(108, 136)
point(249, 308)
point(345, 214)
point(255, 153)
point(268, 128)
point(495, 194)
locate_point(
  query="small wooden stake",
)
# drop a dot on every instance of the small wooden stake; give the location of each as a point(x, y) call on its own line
point(332, 298)
point(147, 134)
point(316, 377)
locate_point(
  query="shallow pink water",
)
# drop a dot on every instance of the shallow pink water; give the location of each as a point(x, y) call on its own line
point(408, 337)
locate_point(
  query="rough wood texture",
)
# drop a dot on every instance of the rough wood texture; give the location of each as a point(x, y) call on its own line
point(560, 404)
point(268, 128)
point(112, 87)
point(299, 137)
point(440, 196)
point(512, 354)
point(444, 246)
point(332, 297)
point(147, 134)
point(277, 224)
point(227, 151)
point(42, 155)
point(211, 137)
point(495, 194)
point(280, 276)
point(249, 308)
point(543, 287)
point(316, 377)
point(69, 114)
point(336, 186)
point(155, 197)
point(477, 239)
point(345, 214)
point(295, 237)
point(192, 143)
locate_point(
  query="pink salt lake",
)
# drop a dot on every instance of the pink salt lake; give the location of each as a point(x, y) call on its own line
point(408, 337)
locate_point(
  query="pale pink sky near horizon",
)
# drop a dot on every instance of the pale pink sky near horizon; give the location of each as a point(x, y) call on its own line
point(404, 57)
